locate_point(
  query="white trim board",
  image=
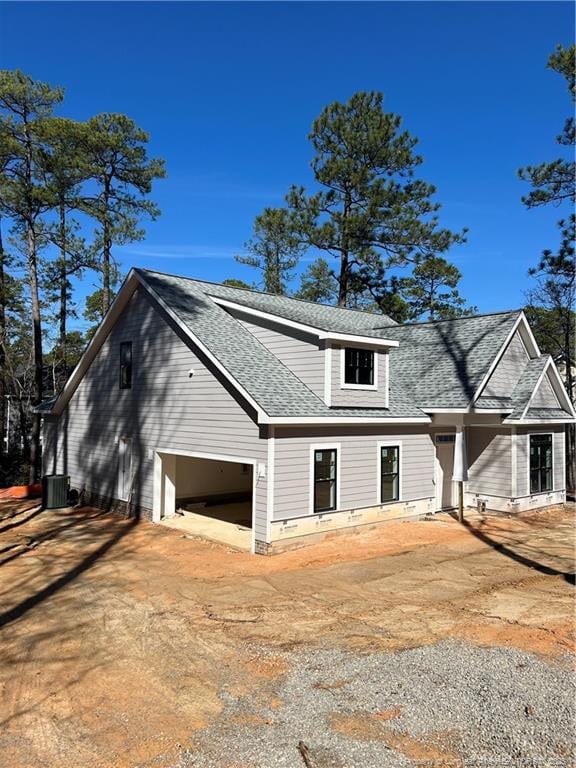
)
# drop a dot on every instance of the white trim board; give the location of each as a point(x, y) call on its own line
point(369, 341)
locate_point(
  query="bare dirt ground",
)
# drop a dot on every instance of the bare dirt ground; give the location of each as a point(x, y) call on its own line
point(120, 642)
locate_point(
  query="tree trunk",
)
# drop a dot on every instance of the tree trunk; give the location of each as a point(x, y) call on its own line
point(344, 277)
point(3, 389)
point(63, 277)
point(36, 355)
point(106, 251)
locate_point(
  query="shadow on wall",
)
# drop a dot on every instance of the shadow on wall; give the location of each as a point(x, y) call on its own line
point(108, 413)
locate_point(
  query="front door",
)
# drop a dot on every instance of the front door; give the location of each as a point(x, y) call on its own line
point(124, 467)
point(444, 470)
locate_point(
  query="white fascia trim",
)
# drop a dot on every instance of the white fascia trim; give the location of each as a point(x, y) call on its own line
point(122, 298)
point(535, 422)
point(535, 351)
point(324, 447)
point(322, 420)
point(192, 336)
point(559, 389)
point(362, 387)
point(369, 341)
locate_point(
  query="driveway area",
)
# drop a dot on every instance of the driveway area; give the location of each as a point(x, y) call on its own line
point(125, 644)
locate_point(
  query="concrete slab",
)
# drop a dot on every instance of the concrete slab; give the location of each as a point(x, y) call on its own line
point(218, 523)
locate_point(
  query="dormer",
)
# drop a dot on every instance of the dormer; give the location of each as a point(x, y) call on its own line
point(357, 375)
point(346, 370)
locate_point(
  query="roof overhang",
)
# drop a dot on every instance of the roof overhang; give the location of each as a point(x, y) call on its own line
point(305, 421)
point(319, 333)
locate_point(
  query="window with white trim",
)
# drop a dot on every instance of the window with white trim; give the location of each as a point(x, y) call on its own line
point(325, 479)
point(389, 473)
point(359, 366)
point(541, 463)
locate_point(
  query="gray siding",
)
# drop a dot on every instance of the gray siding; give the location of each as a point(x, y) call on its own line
point(358, 466)
point(522, 457)
point(297, 350)
point(509, 370)
point(489, 461)
point(165, 408)
point(357, 398)
point(544, 397)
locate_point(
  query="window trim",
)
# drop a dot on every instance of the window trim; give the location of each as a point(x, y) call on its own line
point(120, 364)
point(366, 387)
point(324, 447)
point(528, 487)
point(388, 444)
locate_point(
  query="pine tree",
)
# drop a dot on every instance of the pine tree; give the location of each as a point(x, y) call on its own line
point(432, 291)
point(318, 283)
point(551, 302)
point(371, 212)
point(116, 161)
point(274, 249)
point(25, 106)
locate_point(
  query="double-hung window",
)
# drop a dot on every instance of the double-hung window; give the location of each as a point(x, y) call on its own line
point(540, 463)
point(359, 367)
point(325, 488)
point(125, 365)
point(389, 473)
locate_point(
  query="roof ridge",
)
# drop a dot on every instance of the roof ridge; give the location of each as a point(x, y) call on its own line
point(375, 315)
point(453, 319)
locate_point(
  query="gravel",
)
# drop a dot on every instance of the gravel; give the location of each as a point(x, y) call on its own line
point(478, 707)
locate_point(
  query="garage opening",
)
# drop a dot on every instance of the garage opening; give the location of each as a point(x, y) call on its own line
point(212, 498)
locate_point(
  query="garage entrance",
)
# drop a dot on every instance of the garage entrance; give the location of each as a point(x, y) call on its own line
point(205, 495)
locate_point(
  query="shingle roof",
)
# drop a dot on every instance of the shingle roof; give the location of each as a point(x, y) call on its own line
point(442, 364)
point(261, 374)
point(306, 312)
point(525, 387)
point(547, 414)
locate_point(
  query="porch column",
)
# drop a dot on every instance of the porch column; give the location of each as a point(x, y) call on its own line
point(460, 471)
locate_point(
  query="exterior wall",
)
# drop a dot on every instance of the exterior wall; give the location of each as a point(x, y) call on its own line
point(489, 461)
point(358, 398)
point(499, 463)
point(165, 409)
point(358, 471)
point(297, 350)
point(544, 397)
point(509, 370)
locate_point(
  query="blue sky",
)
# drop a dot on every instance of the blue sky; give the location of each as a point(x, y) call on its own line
point(228, 92)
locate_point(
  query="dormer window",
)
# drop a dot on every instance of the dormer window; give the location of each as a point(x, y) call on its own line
point(358, 368)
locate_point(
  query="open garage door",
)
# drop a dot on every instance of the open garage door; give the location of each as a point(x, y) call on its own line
point(208, 497)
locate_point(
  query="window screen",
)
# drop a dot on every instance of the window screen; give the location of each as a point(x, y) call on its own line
point(126, 365)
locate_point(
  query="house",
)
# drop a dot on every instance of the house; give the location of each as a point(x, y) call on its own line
point(288, 418)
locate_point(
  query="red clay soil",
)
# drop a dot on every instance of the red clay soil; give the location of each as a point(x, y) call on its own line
point(117, 638)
